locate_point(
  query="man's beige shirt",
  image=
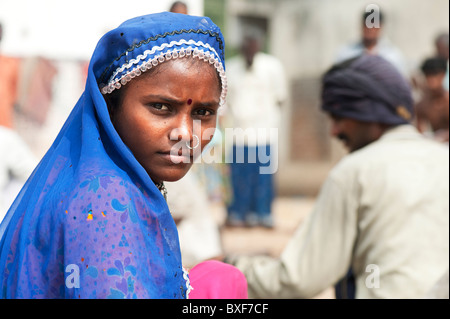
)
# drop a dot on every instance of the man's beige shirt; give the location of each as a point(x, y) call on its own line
point(384, 211)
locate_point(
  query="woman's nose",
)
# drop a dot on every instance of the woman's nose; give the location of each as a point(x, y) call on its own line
point(182, 129)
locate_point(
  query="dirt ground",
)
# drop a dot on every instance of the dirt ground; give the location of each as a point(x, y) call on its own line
point(288, 213)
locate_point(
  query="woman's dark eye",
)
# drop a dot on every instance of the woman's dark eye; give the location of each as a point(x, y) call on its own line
point(203, 112)
point(159, 106)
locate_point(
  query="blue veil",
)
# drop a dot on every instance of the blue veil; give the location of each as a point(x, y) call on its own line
point(89, 222)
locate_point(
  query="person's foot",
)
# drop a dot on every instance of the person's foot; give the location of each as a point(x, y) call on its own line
point(234, 222)
point(267, 222)
point(251, 220)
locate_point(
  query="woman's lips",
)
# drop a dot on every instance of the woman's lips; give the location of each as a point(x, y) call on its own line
point(176, 157)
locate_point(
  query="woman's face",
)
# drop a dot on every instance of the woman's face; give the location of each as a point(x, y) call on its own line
point(156, 112)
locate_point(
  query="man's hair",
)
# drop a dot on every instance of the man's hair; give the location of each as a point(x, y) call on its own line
point(252, 32)
point(433, 66)
point(177, 3)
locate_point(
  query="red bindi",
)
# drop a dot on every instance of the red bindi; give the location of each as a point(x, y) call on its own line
point(189, 101)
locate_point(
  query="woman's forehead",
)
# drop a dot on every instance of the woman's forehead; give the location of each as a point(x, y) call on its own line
point(180, 75)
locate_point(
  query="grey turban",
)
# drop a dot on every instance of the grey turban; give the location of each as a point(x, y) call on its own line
point(369, 89)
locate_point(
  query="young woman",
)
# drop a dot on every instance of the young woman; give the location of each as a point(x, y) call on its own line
point(92, 221)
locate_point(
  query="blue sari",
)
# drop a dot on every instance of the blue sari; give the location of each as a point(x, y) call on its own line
point(89, 222)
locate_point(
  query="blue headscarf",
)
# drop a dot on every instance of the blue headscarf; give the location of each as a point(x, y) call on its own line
point(89, 222)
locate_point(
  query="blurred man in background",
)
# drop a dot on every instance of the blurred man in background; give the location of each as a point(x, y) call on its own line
point(179, 7)
point(432, 115)
point(383, 210)
point(373, 41)
point(9, 73)
point(257, 89)
point(16, 159)
point(17, 162)
point(441, 45)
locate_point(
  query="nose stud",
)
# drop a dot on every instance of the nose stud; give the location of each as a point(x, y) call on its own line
point(196, 144)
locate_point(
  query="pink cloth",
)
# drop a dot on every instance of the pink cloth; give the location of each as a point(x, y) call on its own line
point(216, 280)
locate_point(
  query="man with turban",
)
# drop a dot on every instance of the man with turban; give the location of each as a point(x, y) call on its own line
point(383, 210)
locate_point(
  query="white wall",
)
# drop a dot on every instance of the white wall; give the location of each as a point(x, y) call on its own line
point(322, 27)
point(62, 29)
point(306, 34)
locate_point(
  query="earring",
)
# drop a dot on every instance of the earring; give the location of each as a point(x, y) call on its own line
point(196, 145)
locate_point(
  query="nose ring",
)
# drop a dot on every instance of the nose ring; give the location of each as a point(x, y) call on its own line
point(196, 145)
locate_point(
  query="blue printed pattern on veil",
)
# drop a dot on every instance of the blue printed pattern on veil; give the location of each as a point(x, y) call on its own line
point(89, 222)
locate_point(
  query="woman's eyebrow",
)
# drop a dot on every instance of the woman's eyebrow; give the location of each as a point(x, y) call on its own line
point(174, 100)
point(164, 98)
point(207, 104)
